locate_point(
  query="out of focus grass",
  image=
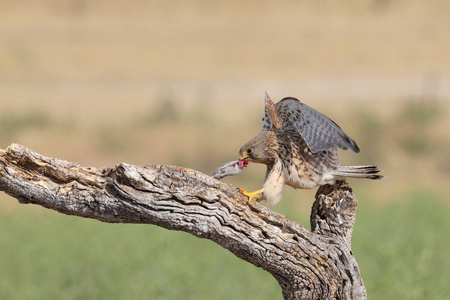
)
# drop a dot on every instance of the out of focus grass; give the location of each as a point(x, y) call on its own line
point(52, 256)
point(104, 82)
point(401, 249)
point(400, 245)
point(399, 239)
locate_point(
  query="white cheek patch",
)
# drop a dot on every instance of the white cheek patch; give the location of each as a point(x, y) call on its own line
point(273, 186)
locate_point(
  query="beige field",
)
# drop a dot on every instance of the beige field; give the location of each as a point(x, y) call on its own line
point(172, 82)
point(183, 83)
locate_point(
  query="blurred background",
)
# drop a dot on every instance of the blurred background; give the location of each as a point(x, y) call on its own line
point(168, 82)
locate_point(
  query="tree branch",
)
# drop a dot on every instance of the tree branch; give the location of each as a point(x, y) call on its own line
point(315, 264)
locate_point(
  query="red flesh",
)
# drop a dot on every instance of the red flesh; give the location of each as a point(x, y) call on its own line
point(242, 163)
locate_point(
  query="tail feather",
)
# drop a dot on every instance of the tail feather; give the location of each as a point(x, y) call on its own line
point(370, 172)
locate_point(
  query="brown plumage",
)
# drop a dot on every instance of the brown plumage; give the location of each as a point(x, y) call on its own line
point(299, 146)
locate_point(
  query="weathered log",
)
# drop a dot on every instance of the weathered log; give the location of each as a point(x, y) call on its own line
point(316, 264)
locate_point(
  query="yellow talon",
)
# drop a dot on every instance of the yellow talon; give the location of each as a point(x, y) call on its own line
point(253, 195)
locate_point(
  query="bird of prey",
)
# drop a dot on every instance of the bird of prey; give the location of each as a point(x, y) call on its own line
point(299, 145)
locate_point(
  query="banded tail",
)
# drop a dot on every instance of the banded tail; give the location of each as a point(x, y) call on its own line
point(370, 172)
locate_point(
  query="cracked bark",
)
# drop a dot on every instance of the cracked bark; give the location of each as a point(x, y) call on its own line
point(316, 264)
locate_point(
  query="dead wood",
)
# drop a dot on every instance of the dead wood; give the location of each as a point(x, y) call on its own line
point(316, 264)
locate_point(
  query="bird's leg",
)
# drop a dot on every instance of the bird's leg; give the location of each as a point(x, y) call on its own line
point(253, 195)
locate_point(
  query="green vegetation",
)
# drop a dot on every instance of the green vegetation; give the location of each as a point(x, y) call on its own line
point(416, 119)
point(13, 124)
point(401, 250)
point(52, 256)
point(103, 82)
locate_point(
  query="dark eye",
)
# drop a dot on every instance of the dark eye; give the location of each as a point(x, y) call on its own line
point(249, 151)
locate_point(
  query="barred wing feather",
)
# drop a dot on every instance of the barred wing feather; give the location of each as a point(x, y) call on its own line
point(319, 132)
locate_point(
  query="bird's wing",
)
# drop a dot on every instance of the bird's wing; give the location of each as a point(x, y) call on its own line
point(319, 132)
point(270, 119)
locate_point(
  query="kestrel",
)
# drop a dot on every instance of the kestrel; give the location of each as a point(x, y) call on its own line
point(299, 146)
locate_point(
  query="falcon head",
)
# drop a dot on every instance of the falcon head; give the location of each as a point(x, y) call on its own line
point(260, 149)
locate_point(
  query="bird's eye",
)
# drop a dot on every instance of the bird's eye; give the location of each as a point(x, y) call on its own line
point(249, 151)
